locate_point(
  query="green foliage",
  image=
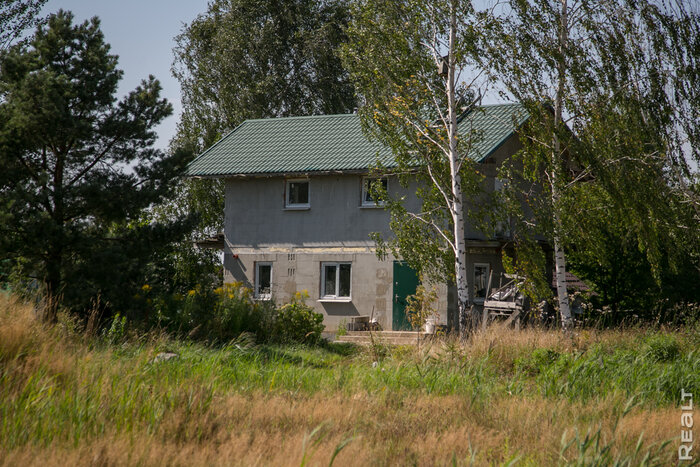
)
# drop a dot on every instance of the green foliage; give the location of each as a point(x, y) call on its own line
point(530, 264)
point(621, 185)
point(239, 60)
point(225, 313)
point(593, 449)
point(16, 16)
point(534, 363)
point(247, 59)
point(117, 330)
point(342, 328)
point(298, 322)
point(662, 348)
point(421, 306)
point(69, 390)
point(77, 169)
point(393, 54)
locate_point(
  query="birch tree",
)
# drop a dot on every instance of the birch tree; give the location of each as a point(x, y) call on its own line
point(611, 88)
point(16, 16)
point(409, 61)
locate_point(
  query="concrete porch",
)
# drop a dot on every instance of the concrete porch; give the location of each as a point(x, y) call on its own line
point(385, 337)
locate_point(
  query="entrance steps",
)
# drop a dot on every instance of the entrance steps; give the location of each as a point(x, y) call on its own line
point(384, 337)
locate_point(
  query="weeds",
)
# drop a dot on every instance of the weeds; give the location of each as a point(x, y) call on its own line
point(504, 398)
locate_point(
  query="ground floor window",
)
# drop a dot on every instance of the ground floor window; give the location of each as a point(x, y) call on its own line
point(335, 280)
point(481, 280)
point(263, 280)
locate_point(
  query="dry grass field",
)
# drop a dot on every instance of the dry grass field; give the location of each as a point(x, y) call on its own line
point(533, 397)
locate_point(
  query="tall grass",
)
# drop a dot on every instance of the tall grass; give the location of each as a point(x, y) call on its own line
point(503, 396)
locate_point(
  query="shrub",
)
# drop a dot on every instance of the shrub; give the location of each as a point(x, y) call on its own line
point(223, 314)
point(235, 312)
point(342, 328)
point(297, 322)
point(421, 306)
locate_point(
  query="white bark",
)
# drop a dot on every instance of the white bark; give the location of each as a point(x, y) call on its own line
point(559, 257)
point(457, 202)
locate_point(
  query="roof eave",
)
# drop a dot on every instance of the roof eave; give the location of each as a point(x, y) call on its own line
point(302, 173)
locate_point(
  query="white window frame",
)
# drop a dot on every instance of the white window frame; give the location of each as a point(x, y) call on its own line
point(287, 186)
point(488, 272)
point(334, 297)
point(259, 296)
point(365, 185)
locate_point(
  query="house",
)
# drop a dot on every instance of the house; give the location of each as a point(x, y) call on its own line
point(298, 215)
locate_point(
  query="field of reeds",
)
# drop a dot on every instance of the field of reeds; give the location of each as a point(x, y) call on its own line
point(533, 397)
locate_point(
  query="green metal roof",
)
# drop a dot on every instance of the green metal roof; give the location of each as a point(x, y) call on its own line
point(327, 143)
point(491, 125)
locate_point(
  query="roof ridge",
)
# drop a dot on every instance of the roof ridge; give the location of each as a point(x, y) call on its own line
point(299, 117)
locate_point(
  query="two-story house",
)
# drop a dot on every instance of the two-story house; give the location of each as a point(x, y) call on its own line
point(298, 215)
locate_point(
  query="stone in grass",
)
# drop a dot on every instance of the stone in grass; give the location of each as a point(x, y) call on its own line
point(165, 356)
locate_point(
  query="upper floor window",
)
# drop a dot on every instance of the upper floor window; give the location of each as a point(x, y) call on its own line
point(263, 280)
point(367, 182)
point(297, 194)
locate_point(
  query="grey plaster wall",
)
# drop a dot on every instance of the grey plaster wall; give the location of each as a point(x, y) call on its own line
point(256, 216)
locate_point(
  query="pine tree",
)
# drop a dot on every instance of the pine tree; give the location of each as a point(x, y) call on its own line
point(77, 168)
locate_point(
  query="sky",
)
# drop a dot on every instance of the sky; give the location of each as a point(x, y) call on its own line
point(142, 34)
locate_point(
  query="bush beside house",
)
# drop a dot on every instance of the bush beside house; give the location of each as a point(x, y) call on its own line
point(223, 314)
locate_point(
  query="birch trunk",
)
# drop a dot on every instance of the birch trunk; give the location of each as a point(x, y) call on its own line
point(559, 257)
point(457, 205)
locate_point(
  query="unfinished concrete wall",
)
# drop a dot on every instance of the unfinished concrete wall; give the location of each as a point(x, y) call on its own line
point(299, 270)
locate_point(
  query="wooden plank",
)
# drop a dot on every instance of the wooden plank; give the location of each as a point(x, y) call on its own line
point(501, 305)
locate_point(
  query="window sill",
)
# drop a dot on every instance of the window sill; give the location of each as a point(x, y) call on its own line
point(262, 299)
point(297, 208)
point(334, 300)
point(372, 206)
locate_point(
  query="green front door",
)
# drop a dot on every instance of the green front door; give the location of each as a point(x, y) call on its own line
point(405, 283)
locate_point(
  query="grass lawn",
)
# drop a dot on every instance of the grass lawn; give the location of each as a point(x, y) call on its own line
point(533, 397)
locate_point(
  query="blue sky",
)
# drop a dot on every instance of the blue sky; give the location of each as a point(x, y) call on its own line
point(142, 34)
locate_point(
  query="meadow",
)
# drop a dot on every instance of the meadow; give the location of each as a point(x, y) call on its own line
point(533, 397)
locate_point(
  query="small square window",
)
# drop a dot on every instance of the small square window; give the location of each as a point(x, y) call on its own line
point(481, 280)
point(335, 280)
point(297, 194)
point(263, 281)
point(367, 200)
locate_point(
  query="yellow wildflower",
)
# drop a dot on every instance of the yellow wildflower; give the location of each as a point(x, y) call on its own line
point(146, 288)
point(191, 293)
point(218, 290)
